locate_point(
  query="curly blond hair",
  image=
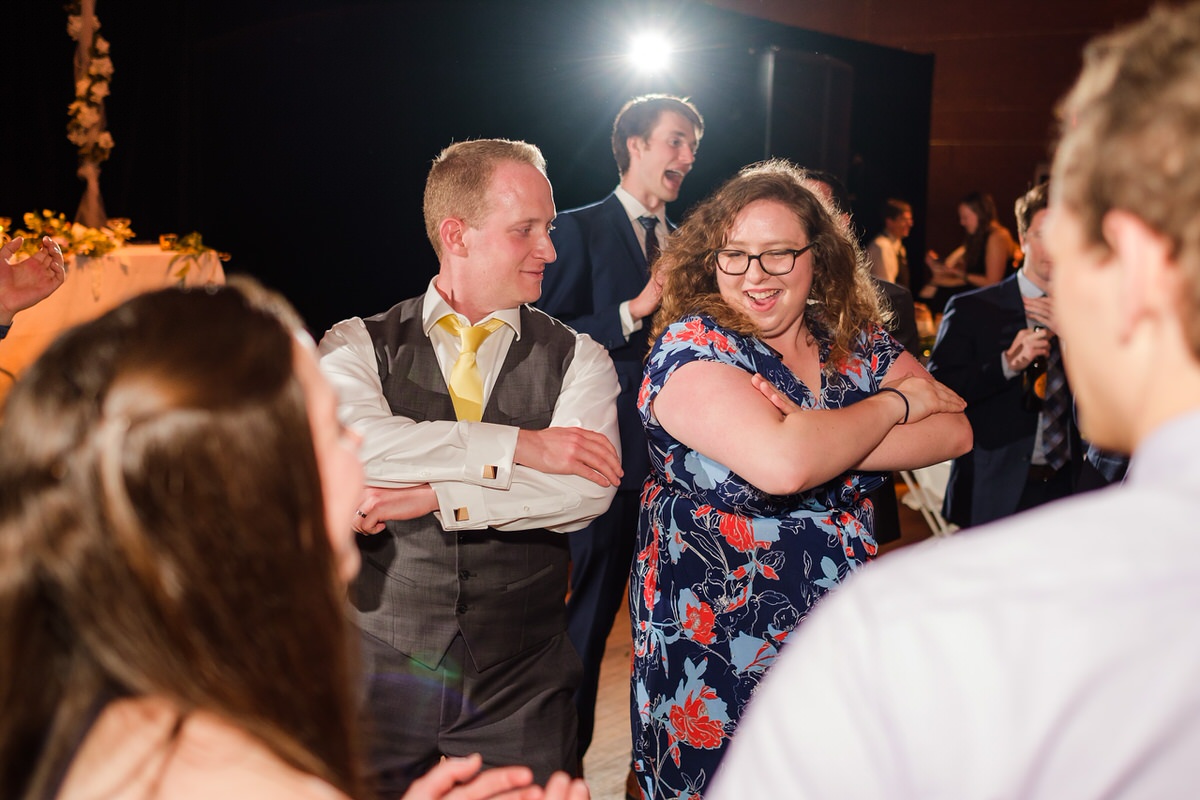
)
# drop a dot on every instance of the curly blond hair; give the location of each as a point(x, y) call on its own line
point(842, 300)
point(1130, 139)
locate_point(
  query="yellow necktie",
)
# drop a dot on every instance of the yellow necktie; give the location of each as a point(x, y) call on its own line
point(466, 383)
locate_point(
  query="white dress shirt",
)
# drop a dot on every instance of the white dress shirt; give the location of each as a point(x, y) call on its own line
point(884, 254)
point(470, 464)
point(1053, 654)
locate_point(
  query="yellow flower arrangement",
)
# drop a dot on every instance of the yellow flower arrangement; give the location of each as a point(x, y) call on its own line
point(188, 247)
point(73, 238)
point(80, 240)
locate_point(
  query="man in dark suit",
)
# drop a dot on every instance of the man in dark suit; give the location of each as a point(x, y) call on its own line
point(488, 431)
point(1027, 448)
point(602, 285)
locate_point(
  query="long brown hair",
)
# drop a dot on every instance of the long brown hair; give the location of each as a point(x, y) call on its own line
point(162, 533)
point(842, 301)
point(984, 208)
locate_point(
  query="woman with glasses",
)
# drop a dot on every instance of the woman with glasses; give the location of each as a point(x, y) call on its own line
point(773, 401)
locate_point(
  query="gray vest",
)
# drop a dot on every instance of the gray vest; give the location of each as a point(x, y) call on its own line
point(420, 585)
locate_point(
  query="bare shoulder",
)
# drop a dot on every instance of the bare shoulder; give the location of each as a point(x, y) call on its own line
point(134, 753)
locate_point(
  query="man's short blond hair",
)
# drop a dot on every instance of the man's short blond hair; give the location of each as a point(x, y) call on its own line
point(1130, 139)
point(458, 182)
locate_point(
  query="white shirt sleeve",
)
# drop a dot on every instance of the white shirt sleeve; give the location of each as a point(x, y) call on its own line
point(470, 464)
point(628, 323)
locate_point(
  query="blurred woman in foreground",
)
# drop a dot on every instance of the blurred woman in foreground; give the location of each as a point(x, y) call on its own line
point(173, 562)
point(770, 397)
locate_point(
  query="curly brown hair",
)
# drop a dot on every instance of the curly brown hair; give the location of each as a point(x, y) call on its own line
point(842, 301)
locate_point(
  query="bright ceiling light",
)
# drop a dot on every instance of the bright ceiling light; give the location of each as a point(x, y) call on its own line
point(649, 52)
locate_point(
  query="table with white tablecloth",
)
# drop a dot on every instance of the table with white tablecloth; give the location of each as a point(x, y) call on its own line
point(93, 286)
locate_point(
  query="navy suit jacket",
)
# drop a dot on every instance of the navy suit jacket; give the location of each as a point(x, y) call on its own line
point(978, 326)
point(600, 265)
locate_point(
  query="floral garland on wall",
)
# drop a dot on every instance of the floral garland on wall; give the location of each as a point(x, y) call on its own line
point(86, 127)
point(92, 234)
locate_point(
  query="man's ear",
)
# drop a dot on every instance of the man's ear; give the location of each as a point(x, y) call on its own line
point(635, 144)
point(452, 231)
point(1147, 274)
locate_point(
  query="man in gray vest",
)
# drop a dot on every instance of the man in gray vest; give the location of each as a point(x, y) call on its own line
point(489, 430)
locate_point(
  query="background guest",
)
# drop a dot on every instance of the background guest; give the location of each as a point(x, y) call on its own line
point(886, 253)
point(172, 542)
point(770, 389)
point(984, 258)
point(998, 349)
point(602, 284)
point(1042, 657)
point(897, 300)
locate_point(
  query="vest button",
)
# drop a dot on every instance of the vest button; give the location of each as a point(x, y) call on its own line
point(461, 608)
point(463, 574)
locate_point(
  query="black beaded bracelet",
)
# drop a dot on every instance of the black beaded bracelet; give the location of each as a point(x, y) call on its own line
point(902, 397)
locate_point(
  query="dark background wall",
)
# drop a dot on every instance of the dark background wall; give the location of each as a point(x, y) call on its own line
point(297, 135)
point(1000, 68)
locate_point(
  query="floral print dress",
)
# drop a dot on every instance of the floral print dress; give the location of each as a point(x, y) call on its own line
point(724, 572)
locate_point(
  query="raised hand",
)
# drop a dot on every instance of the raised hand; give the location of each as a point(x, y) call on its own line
point(647, 300)
point(1027, 345)
point(461, 779)
point(29, 281)
point(1040, 310)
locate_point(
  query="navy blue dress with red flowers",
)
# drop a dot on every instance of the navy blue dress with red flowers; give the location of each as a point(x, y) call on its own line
point(723, 571)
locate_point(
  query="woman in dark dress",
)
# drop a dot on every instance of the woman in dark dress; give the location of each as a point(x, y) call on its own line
point(986, 255)
point(772, 400)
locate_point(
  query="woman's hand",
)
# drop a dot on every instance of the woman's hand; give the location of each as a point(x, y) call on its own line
point(925, 397)
point(460, 779)
point(951, 272)
point(781, 401)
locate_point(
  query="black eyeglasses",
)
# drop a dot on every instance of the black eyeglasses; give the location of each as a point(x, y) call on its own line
point(773, 262)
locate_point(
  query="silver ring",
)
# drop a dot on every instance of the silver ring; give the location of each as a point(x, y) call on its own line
point(364, 516)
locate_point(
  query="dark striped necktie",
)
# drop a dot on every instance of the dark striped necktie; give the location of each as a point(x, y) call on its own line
point(1056, 411)
point(650, 223)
